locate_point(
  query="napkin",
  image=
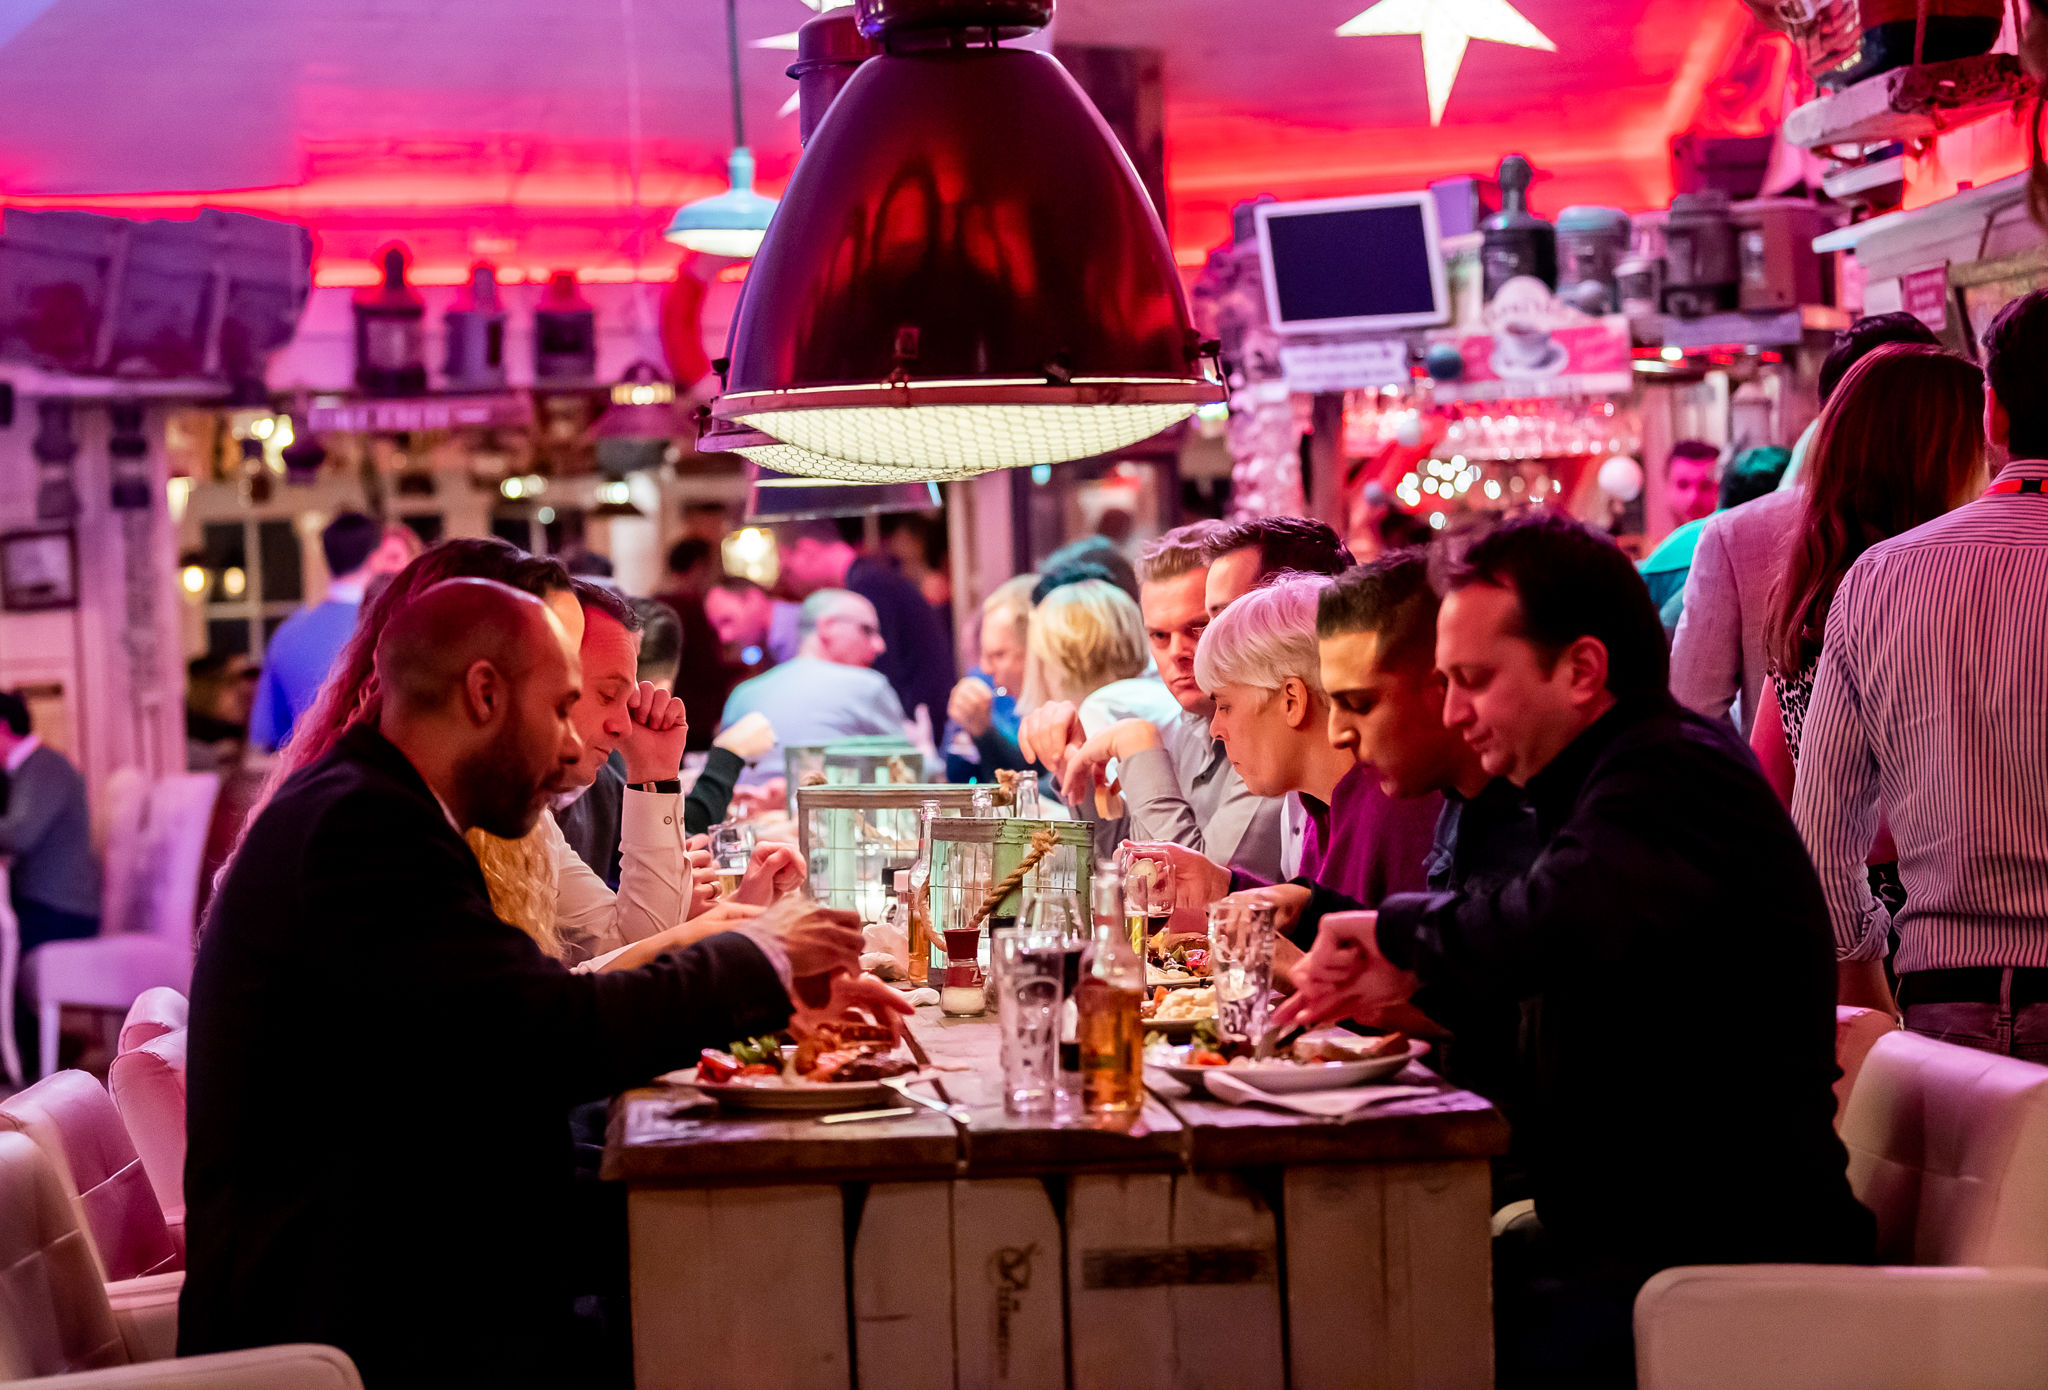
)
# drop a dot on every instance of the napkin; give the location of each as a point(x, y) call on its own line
point(1331, 1105)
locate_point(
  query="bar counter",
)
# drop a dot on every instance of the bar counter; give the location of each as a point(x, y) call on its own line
point(1205, 1245)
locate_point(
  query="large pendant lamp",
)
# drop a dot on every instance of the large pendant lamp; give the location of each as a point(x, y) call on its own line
point(786, 463)
point(731, 223)
point(972, 276)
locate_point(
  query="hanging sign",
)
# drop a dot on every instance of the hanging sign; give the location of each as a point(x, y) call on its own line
point(1358, 364)
point(1535, 345)
point(1924, 295)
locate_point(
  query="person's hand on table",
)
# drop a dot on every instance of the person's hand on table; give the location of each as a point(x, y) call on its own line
point(654, 741)
point(720, 917)
point(773, 870)
point(1197, 881)
point(1345, 976)
point(819, 942)
point(854, 996)
point(972, 705)
point(1085, 770)
point(747, 738)
point(1049, 733)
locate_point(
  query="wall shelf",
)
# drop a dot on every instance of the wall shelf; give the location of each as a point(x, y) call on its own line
point(1910, 103)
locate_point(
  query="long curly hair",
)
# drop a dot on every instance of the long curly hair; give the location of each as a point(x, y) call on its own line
point(1900, 442)
point(520, 873)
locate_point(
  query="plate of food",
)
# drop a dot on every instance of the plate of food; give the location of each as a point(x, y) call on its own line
point(1324, 1061)
point(1184, 962)
point(840, 1066)
point(1176, 1013)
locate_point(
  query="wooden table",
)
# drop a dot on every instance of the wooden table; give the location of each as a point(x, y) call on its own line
point(1203, 1245)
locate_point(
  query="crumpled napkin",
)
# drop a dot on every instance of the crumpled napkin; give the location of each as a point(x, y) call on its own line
point(1330, 1105)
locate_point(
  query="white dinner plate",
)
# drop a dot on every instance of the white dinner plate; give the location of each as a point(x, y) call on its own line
point(1282, 1077)
point(777, 1093)
point(1172, 979)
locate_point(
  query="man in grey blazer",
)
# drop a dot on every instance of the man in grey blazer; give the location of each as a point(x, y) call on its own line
point(46, 833)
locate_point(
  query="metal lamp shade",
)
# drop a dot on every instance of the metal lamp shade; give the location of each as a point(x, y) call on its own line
point(971, 277)
point(731, 223)
point(786, 463)
point(644, 405)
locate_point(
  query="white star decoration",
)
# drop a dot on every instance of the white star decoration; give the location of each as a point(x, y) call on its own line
point(1446, 27)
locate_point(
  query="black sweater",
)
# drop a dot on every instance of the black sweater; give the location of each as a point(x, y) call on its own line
point(379, 1072)
point(1673, 929)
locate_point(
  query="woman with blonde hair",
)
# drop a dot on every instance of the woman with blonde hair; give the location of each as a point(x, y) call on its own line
point(1087, 648)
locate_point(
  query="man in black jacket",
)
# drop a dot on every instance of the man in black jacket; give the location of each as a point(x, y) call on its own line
point(1660, 1134)
point(380, 1068)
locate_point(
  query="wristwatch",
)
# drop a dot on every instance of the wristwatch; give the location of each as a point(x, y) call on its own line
point(670, 786)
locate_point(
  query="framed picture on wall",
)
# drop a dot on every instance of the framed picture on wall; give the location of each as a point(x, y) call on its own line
point(38, 571)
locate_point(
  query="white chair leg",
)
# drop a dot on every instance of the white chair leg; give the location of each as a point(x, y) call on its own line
point(10, 962)
point(51, 1011)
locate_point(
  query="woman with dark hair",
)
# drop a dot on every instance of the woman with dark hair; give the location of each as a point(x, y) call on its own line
point(1899, 443)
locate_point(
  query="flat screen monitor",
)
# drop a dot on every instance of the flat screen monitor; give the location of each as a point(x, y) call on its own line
point(1353, 264)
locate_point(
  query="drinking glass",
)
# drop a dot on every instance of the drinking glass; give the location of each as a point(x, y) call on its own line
point(731, 845)
point(1148, 897)
point(1028, 966)
point(1241, 966)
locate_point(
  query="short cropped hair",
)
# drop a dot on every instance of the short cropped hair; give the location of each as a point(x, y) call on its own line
point(1085, 635)
point(661, 640)
point(1264, 637)
point(1391, 599)
point(823, 604)
point(1181, 551)
point(1097, 556)
point(602, 598)
point(14, 714)
point(1866, 336)
point(686, 554)
point(1754, 473)
point(348, 541)
point(1285, 543)
point(1571, 582)
point(739, 586)
point(2016, 365)
point(1011, 599)
point(1695, 449)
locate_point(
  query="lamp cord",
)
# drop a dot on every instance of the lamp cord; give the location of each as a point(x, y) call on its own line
point(732, 49)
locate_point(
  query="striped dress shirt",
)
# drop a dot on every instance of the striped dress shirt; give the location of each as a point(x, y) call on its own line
point(1931, 706)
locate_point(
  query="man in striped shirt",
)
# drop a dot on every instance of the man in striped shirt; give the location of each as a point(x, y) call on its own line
point(1931, 709)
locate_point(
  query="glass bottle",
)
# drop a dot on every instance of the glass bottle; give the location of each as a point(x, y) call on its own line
point(1111, 1033)
point(921, 896)
point(1056, 913)
point(981, 803)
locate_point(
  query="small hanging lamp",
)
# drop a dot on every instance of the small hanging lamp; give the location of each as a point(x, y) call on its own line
point(731, 223)
point(643, 406)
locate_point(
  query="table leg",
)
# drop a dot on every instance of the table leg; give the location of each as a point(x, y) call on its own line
point(740, 1287)
point(1389, 1276)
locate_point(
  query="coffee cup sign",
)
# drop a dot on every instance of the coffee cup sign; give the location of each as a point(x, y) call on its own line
point(1531, 343)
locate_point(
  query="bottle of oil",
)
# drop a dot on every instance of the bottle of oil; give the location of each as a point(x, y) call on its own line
point(1112, 1037)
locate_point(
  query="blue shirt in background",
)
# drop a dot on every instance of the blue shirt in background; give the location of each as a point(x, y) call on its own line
point(294, 665)
point(809, 701)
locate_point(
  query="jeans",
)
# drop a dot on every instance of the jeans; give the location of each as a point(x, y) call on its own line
point(2018, 1028)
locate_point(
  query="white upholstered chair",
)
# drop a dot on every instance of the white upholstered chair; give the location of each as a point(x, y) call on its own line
point(61, 1328)
point(151, 898)
point(71, 1118)
point(1948, 1146)
point(148, 1083)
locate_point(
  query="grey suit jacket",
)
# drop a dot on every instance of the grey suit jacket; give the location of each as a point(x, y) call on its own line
point(1718, 652)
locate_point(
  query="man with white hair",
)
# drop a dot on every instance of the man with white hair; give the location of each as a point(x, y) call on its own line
point(829, 690)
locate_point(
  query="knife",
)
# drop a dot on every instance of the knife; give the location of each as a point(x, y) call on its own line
point(958, 1114)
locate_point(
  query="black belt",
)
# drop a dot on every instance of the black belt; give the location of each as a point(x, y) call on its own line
point(1982, 984)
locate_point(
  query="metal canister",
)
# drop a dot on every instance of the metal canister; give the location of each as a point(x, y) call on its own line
point(1591, 242)
point(1701, 273)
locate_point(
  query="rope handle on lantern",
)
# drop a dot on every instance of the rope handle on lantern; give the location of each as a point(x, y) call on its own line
point(1043, 842)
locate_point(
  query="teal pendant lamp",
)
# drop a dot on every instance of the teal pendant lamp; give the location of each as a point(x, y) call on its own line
point(731, 223)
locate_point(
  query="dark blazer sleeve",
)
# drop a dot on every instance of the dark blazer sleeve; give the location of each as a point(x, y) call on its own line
point(1577, 905)
point(711, 794)
point(404, 903)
